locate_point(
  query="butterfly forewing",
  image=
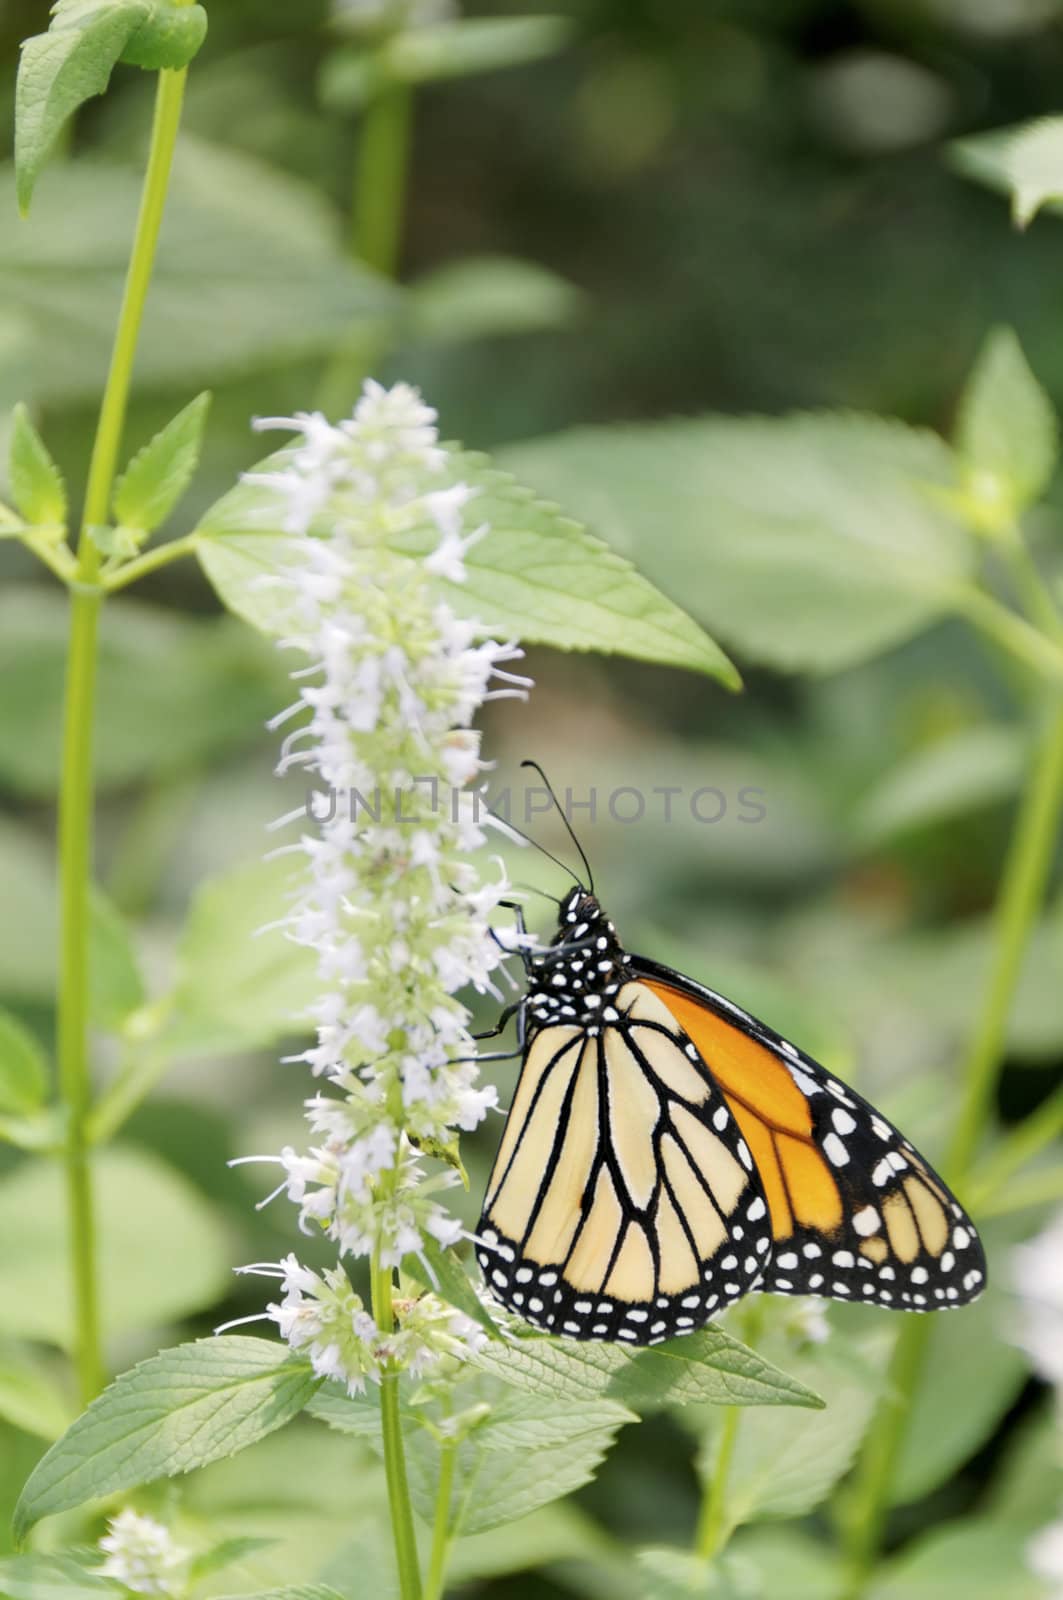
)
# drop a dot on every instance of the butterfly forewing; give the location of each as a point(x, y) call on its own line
point(856, 1211)
point(625, 1202)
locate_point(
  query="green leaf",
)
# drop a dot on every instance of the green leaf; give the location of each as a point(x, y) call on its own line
point(681, 1575)
point(970, 1560)
point(53, 1578)
point(971, 1378)
point(23, 1068)
point(60, 70)
point(177, 1411)
point(161, 713)
point(1007, 433)
point(448, 1278)
point(785, 1463)
point(809, 542)
point(30, 1396)
point(485, 296)
point(966, 771)
point(1028, 1486)
point(223, 1555)
point(250, 274)
point(27, 964)
point(296, 1591)
point(356, 1414)
point(37, 486)
point(788, 1562)
point(168, 38)
point(116, 988)
point(159, 474)
point(147, 1215)
point(536, 576)
point(461, 48)
point(709, 1365)
point(1025, 161)
point(238, 985)
point(526, 1454)
point(428, 54)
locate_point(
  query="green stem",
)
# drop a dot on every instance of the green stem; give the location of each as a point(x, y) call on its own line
point(75, 1084)
point(1026, 872)
point(150, 561)
point(169, 97)
point(1030, 587)
point(394, 1452)
point(712, 1531)
point(866, 1508)
point(380, 178)
point(1042, 1187)
point(1041, 1128)
point(76, 796)
point(1011, 633)
point(437, 1566)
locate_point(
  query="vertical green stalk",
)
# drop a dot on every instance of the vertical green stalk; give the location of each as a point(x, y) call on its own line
point(1026, 872)
point(380, 185)
point(1022, 889)
point(380, 178)
point(712, 1533)
point(76, 792)
point(75, 1084)
point(394, 1453)
point(437, 1565)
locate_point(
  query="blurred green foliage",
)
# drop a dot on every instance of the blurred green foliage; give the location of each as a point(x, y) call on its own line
point(695, 207)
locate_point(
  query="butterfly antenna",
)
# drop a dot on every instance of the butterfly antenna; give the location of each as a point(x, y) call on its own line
point(511, 827)
point(570, 830)
point(530, 888)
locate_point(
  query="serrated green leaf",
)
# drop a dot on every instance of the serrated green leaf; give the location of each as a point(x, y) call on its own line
point(147, 1214)
point(783, 1462)
point(169, 37)
point(527, 1453)
point(537, 575)
point(445, 1275)
point(356, 1414)
point(37, 486)
point(809, 542)
point(29, 1395)
point(53, 1578)
point(23, 1068)
point(1007, 433)
point(709, 1365)
point(239, 982)
point(159, 474)
point(60, 70)
point(1025, 161)
point(174, 1412)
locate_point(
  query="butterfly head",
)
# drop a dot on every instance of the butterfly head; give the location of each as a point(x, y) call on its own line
point(577, 979)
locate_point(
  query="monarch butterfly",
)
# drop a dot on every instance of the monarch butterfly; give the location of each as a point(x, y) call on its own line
point(666, 1153)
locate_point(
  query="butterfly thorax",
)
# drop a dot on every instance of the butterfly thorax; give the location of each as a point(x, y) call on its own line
point(577, 980)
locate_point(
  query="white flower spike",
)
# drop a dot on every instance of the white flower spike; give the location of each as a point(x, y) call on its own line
point(395, 910)
point(141, 1554)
